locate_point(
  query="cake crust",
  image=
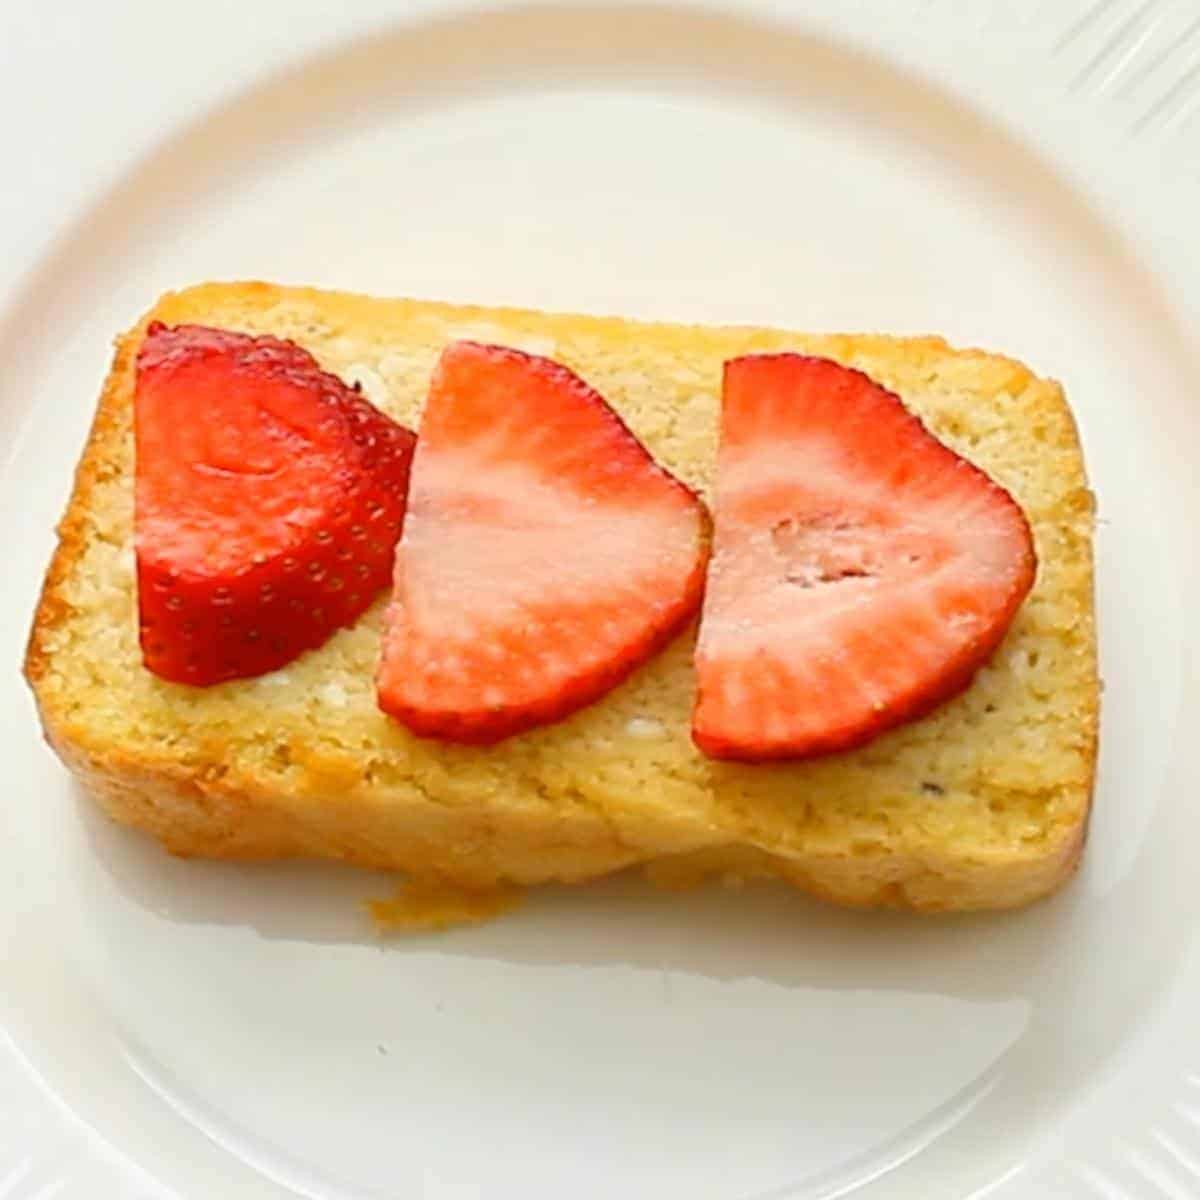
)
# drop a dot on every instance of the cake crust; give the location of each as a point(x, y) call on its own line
point(981, 804)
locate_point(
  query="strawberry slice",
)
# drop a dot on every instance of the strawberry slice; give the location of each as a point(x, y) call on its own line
point(544, 557)
point(269, 499)
point(862, 572)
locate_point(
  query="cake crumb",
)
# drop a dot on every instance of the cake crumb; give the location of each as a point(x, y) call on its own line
point(645, 729)
point(368, 381)
point(428, 904)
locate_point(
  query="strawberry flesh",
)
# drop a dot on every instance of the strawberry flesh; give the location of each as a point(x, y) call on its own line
point(545, 555)
point(862, 572)
point(269, 498)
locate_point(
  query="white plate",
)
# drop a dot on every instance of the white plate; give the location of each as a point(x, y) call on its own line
point(1017, 175)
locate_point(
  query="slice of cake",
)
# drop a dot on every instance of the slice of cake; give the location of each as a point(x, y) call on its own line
point(980, 803)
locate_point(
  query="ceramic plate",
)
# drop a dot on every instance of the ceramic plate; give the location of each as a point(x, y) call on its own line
point(1018, 175)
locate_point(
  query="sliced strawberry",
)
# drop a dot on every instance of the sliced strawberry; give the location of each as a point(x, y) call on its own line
point(269, 499)
point(862, 572)
point(544, 557)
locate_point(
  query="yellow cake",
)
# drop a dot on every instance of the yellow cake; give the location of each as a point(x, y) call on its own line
point(981, 804)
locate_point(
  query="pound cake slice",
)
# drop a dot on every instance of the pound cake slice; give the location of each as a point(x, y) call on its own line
point(982, 803)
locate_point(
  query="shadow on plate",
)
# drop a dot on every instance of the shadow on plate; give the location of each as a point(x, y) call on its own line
point(763, 930)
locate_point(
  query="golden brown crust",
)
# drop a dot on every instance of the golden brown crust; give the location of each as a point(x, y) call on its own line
point(235, 774)
point(52, 609)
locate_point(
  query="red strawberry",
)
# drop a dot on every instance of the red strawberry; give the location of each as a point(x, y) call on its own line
point(545, 554)
point(861, 573)
point(268, 503)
